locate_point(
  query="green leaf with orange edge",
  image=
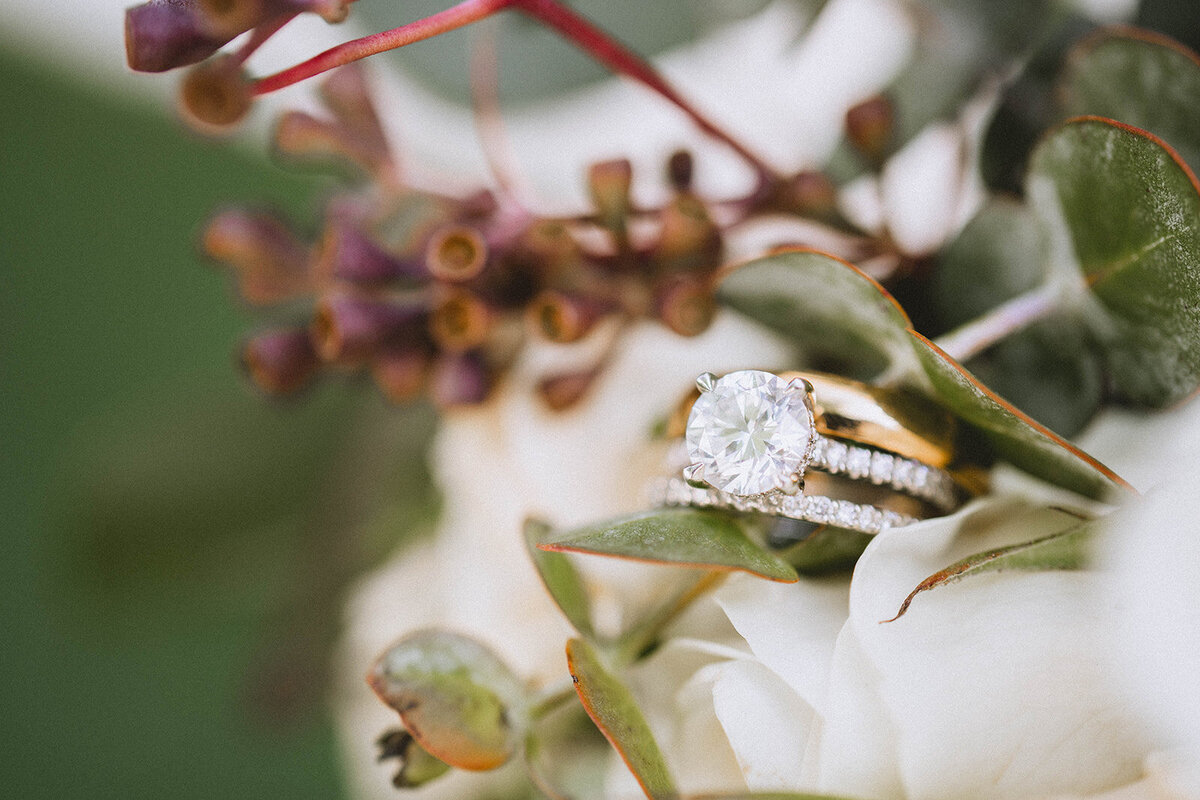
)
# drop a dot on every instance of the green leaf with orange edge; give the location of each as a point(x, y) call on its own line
point(613, 708)
point(816, 297)
point(688, 537)
point(1065, 550)
point(845, 322)
point(1138, 77)
point(460, 702)
point(560, 578)
point(1122, 212)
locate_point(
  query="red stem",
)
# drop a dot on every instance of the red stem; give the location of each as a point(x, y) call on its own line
point(589, 38)
point(623, 61)
point(451, 19)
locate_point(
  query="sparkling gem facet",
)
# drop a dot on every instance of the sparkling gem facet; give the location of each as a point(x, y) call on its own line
point(750, 433)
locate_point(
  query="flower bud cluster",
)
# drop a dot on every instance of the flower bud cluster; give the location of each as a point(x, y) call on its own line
point(437, 295)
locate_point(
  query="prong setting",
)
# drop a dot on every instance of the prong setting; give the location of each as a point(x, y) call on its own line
point(693, 474)
point(706, 382)
point(792, 484)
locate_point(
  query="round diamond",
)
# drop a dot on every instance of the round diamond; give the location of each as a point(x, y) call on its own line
point(750, 433)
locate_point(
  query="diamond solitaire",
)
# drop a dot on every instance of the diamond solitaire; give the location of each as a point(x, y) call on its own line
point(750, 433)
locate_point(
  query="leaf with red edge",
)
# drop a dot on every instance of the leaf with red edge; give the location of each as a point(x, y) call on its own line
point(613, 708)
point(1068, 549)
point(560, 578)
point(834, 311)
point(461, 703)
point(686, 537)
point(1122, 213)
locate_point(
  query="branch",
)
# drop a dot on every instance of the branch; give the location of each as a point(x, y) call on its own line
point(551, 13)
point(968, 341)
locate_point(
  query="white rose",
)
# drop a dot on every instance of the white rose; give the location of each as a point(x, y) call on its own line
point(1005, 685)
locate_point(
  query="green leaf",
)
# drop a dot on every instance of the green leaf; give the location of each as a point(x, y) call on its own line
point(1123, 211)
point(1014, 436)
point(826, 551)
point(678, 536)
point(560, 578)
point(845, 322)
point(1050, 370)
point(998, 255)
point(1140, 78)
point(832, 307)
point(612, 707)
point(456, 697)
point(1065, 550)
point(417, 767)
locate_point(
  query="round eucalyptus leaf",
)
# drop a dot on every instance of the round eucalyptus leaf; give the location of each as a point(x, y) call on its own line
point(461, 703)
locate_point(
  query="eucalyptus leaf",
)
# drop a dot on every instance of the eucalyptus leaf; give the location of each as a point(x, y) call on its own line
point(1123, 214)
point(1140, 78)
point(1065, 550)
point(1014, 436)
point(1050, 370)
point(687, 537)
point(827, 550)
point(461, 703)
point(845, 321)
point(832, 307)
point(560, 578)
point(613, 708)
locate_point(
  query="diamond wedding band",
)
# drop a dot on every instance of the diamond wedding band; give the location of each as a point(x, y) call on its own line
point(814, 447)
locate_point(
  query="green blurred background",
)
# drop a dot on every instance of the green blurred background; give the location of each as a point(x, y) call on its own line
point(173, 546)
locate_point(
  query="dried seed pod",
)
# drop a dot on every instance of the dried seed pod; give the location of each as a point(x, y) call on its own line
point(461, 320)
point(809, 193)
point(456, 253)
point(689, 239)
point(165, 34)
point(609, 183)
point(280, 361)
point(560, 392)
point(869, 127)
point(401, 373)
point(685, 305)
point(303, 139)
point(346, 93)
point(348, 254)
point(461, 379)
point(349, 328)
point(565, 317)
point(679, 170)
point(216, 95)
point(270, 261)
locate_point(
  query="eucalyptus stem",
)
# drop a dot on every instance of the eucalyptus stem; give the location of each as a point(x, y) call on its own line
point(971, 339)
point(551, 699)
point(553, 14)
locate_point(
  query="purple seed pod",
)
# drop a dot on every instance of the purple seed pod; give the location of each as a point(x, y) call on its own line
point(347, 254)
point(460, 379)
point(271, 263)
point(280, 361)
point(350, 328)
point(165, 34)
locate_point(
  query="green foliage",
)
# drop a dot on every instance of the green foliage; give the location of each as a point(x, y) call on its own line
point(1123, 213)
point(460, 702)
point(559, 577)
point(1066, 550)
point(705, 539)
point(816, 289)
point(612, 707)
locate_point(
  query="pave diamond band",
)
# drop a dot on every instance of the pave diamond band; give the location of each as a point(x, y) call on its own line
point(817, 509)
point(884, 469)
